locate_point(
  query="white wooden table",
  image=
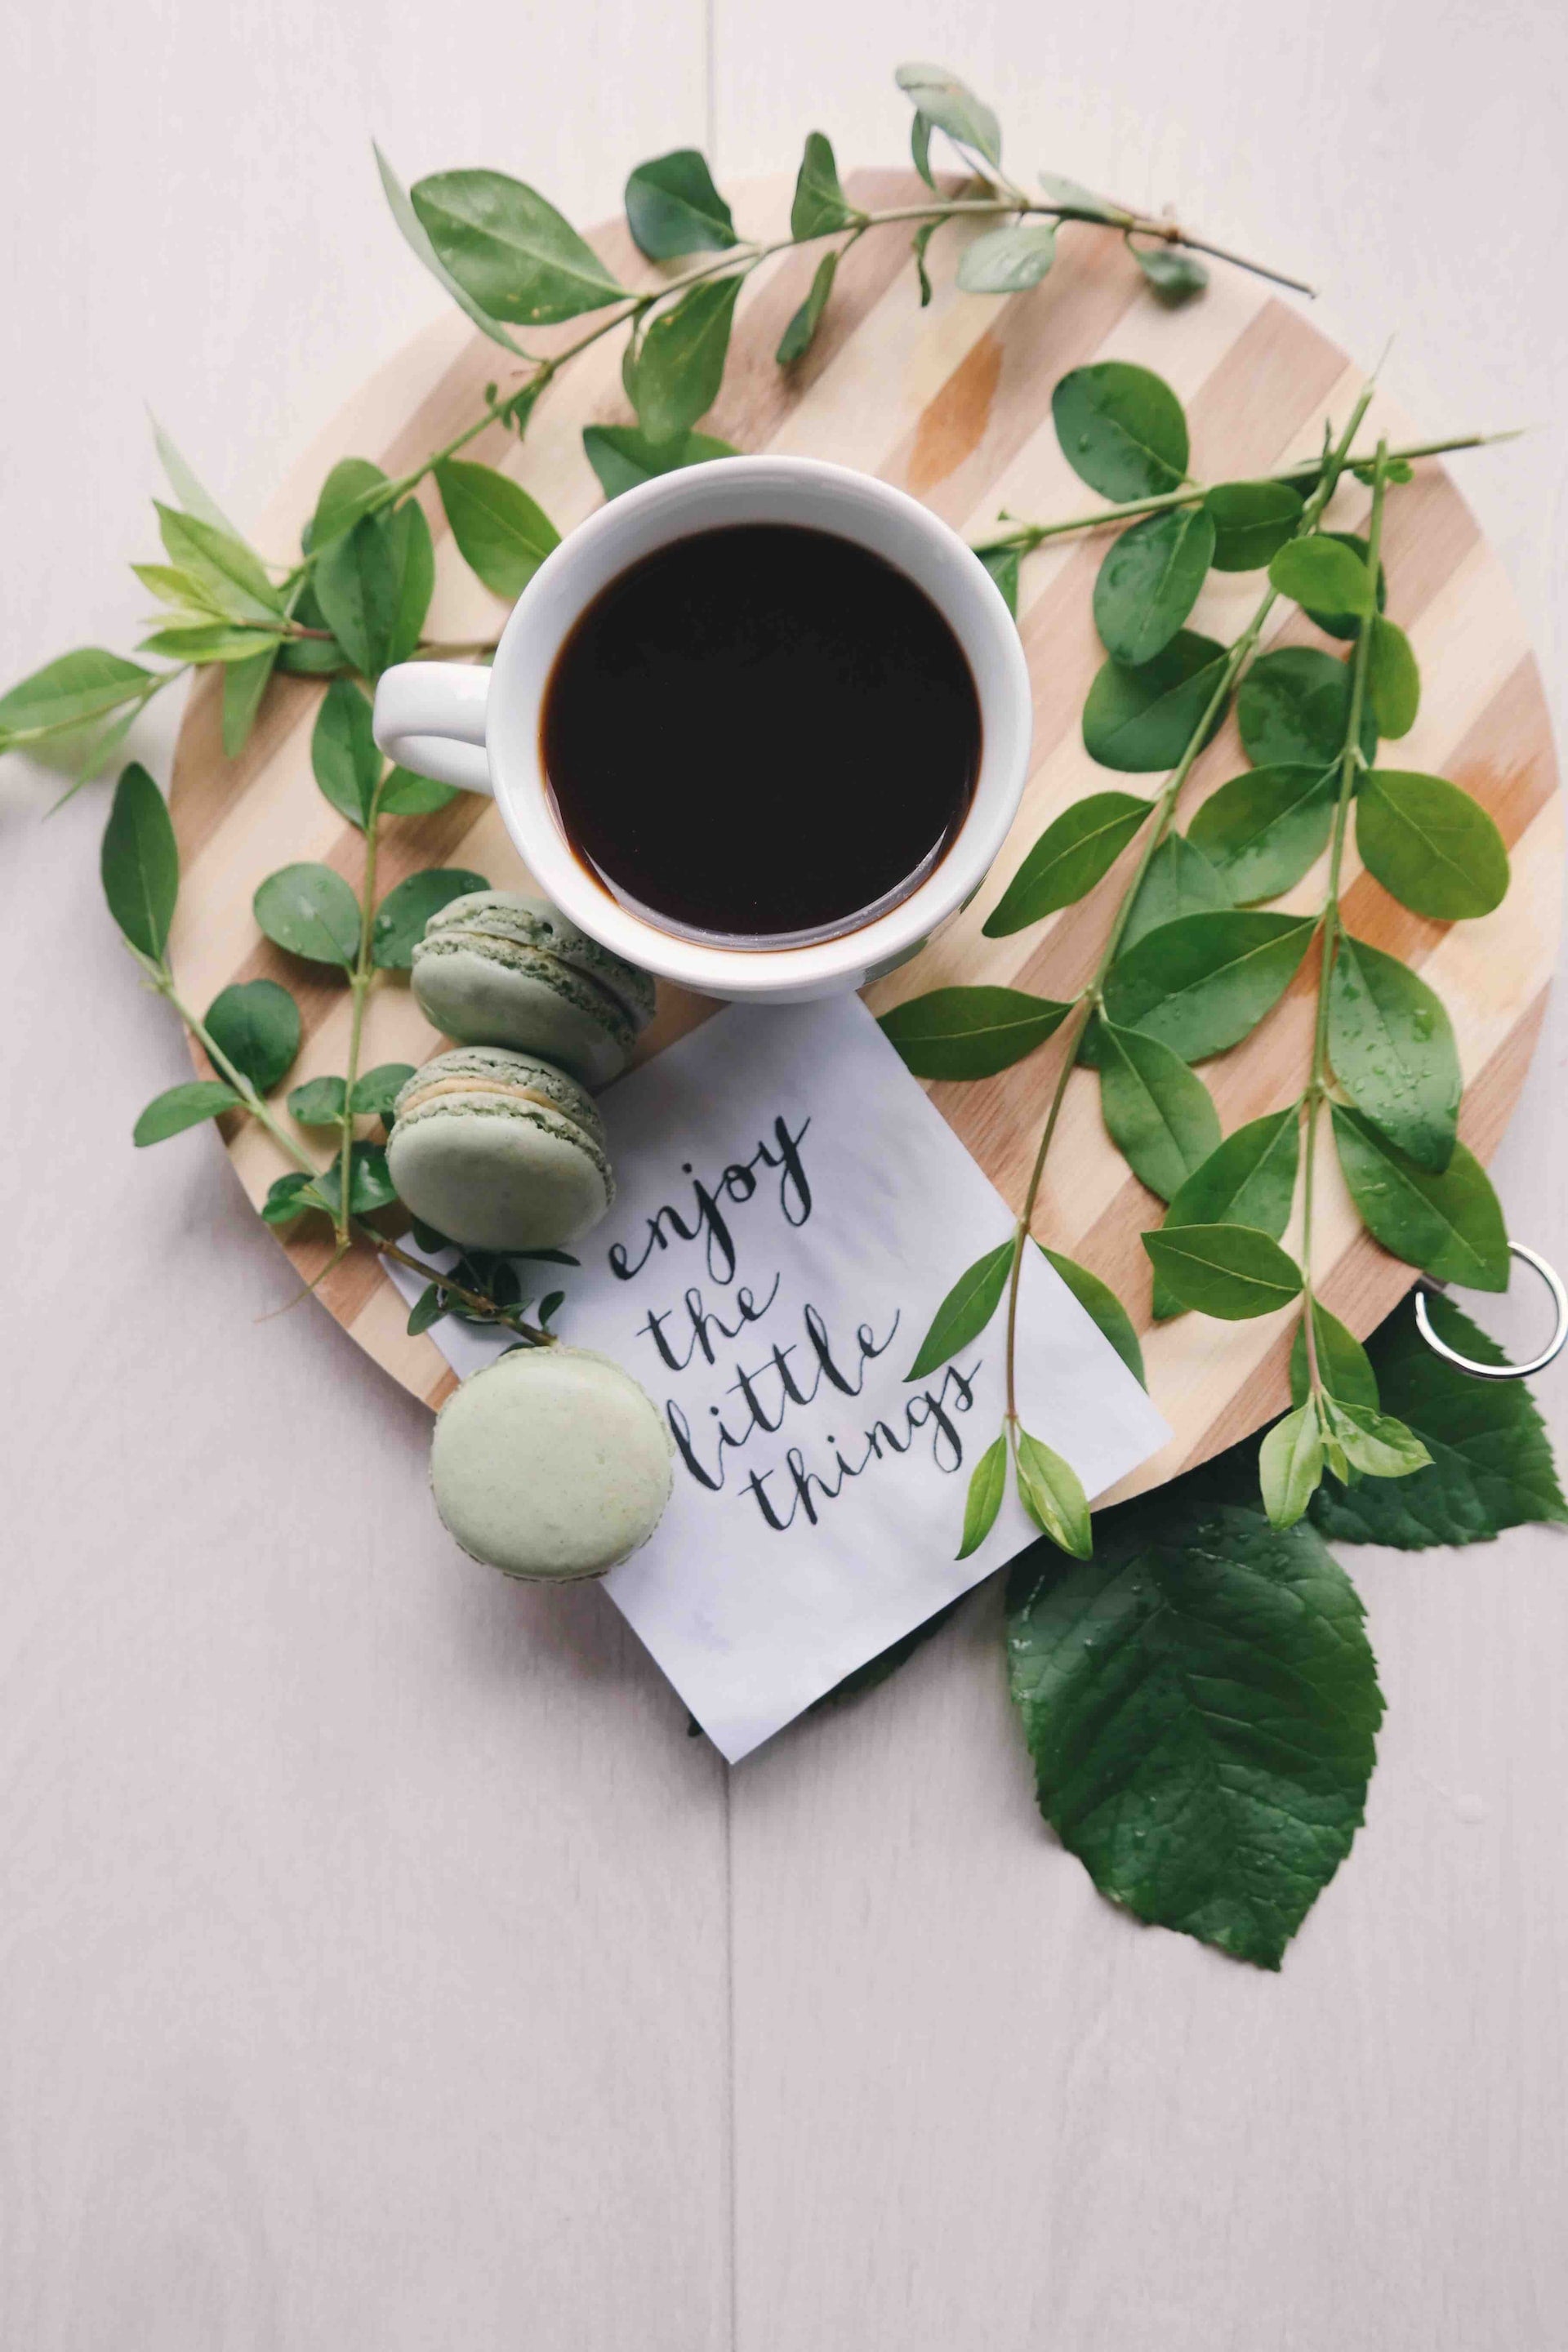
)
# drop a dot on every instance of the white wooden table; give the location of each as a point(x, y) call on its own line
point(380, 1968)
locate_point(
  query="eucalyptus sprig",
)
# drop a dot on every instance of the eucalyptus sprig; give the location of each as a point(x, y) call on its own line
point(353, 597)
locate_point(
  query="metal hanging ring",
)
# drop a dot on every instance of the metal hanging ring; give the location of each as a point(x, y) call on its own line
point(1552, 1348)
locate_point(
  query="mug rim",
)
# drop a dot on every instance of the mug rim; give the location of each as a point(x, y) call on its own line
point(632, 525)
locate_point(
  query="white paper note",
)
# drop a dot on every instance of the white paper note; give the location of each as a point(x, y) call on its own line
point(791, 1211)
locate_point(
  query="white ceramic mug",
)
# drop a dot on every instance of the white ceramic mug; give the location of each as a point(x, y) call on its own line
point(479, 728)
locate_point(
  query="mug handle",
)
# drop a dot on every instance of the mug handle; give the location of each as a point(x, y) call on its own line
point(430, 717)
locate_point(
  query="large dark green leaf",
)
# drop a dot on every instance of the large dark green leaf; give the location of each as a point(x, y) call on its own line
point(1491, 1460)
point(1202, 983)
point(1293, 709)
point(820, 204)
point(71, 691)
point(311, 912)
point(681, 360)
point(191, 1104)
point(1104, 1308)
point(944, 102)
point(140, 864)
point(1122, 429)
point(1248, 1179)
point(373, 585)
point(254, 1024)
point(1008, 261)
point(1392, 1048)
point(1450, 1226)
point(1251, 520)
point(801, 332)
point(502, 535)
point(1075, 851)
point(1201, 1706)
point(1142, 719)
point(970, 1032)
point(1157, 1113)
point(1430, 844)
point(1232, 1271)
point(965, 1311)
point(623, 458)
point(1179, 880)
point(509, 249)
point(673, 207)
point(343, 751)
point(1150, 580)
point(1265, 828)
point(401, 918)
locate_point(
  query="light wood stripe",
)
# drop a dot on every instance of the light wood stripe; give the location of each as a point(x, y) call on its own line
point(954, 404)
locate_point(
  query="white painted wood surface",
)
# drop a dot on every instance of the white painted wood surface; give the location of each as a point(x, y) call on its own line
point(380, 1968)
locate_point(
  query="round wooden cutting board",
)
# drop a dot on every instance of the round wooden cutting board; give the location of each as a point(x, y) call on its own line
point(954, 403)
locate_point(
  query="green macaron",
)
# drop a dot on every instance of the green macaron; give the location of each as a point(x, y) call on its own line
point(498, 969)
point(499, 1151)
point(551, 1463)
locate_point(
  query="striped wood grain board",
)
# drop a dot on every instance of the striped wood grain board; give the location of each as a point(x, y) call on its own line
point(954, 403)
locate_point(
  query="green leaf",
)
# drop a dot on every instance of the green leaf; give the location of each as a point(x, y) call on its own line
point(923, 237)
point(1374, 1443)
point(1104, 1308)
point(965, 1311)
point(1158, 1115)
point(1142, 719)
point(622, 457)
point(1175, 275)
point(1392, 678)
point(673, 207)
point(801, 332)
point(286, 1199)
point(1344, 1366)
point(970, 1032)
point(69, 691)
point(401, 918)
point(987, 1485)
point(254, 1024)
point(1076, 850)
point(343, 751)
point(181, 1107)
point(1392, 1045)
point(510, 250)
point(428, 1308)
point(140, 864)
point(1201, 1706)
point(232, 578)
point(370, 1185)
point(502, 536)
point(414, 232)
point(244, 684)
point(1346, 621)
point(1251, 520)
point(376, 1090)
point(1321, 573)
point(1150, 580)
point(1122, 429)
point(311, 912)
point(406, 794)
point(1248, 1179)
point(951, 106)
point(320, 1102)
point(1202, 983)
point(1232, 1271)
point(1002, 562)
point(820, 204)
point(1293, 709)
point(1267, 828)
point(1431, 846)
point(1290, 1465)
point(208, 641)
point(920, 130)
point(1491, 1465)
point(1179, 880)
point(353, 490)
point(374, 585)
point(1008, 261)
point(1080, 199)
point(1450, 1226)
point(680, 360)
point(1052, 1493)
point(193, 497)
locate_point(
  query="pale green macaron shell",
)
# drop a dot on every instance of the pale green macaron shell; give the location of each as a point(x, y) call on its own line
point(499, 968)
point(551, 1463)
point(499, 1151)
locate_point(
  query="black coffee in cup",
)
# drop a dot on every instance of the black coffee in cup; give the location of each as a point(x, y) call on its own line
point(761, 736)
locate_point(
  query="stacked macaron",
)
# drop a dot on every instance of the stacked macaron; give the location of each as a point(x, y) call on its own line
point(497, 1144)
